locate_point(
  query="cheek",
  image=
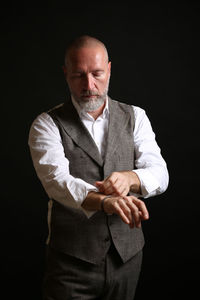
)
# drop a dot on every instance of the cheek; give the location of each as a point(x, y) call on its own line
point(74, 85)
point(103, 83)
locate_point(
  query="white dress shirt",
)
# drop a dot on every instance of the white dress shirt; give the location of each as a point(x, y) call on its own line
point(52, 166)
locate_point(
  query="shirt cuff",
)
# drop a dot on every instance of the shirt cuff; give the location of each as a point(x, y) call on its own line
point(149, 183)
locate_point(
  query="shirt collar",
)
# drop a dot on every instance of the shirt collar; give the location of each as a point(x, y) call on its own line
point(82, 114)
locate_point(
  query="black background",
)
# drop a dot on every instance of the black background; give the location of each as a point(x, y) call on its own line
point(154, 49)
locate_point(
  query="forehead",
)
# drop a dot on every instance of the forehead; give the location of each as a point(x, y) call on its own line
point(87, 57)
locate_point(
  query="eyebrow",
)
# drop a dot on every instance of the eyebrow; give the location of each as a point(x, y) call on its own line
point(93, 71)
point(98, 70)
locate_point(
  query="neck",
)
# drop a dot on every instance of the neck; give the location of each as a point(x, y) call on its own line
point(96, 113)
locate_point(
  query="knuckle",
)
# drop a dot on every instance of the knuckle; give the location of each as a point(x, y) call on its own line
point(129, 201)
point(114, 187)
point(110, 181)
point(142, 204)
point(128, 210)
point(140, 201)
point(116, 190)
point(136, 212)
point(116, 205)
point(124, 205)
point(121, 200)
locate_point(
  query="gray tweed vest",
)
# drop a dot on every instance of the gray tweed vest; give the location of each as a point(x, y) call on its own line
point(71, 231)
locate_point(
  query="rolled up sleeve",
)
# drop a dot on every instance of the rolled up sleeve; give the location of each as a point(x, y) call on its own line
point(150, 166)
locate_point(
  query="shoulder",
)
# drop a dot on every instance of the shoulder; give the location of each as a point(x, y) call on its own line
point(44, 121)
point(137, 111)
point(55, 110)
point(121, 105)
point(41, 120)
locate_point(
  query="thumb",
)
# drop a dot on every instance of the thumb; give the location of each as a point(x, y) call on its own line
point(98, 183)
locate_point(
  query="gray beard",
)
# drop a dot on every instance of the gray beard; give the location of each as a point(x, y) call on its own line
point(89, 105)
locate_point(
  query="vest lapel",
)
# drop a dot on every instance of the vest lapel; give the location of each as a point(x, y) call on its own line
point(117, 123)
point(72, 124)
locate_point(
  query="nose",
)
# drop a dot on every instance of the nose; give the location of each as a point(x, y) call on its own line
point(89, 82)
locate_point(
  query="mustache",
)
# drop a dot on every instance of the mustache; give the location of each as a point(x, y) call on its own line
point(89, 93)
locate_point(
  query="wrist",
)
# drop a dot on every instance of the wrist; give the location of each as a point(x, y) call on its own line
point(93, 201)
point(102, 203)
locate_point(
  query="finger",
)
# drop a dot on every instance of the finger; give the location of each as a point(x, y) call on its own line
point(119, 211)
point(108, 186)
point(117, 188)
point(98, 183)
point(136, 215)
point(126, 210)
point(142, 208)
point(113, 185)
point(101, 186)
point(111, 205)
point(108, 191)
point(110, 181)
point(134, 211)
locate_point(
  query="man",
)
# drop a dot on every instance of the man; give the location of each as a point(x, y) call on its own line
point(95, 157)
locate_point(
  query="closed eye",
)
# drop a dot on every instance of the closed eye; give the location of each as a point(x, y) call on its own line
point(97, 73)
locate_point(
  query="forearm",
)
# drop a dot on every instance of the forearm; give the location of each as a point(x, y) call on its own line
point(93, 201)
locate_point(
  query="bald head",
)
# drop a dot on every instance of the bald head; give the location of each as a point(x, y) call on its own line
point(84, 41)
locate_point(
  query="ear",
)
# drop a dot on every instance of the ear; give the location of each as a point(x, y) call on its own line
point(109, 67)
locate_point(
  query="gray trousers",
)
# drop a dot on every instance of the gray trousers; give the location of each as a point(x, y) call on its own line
point(70, 278)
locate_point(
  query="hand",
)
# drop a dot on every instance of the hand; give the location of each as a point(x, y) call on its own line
point(119, 183)
point(130, 209)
